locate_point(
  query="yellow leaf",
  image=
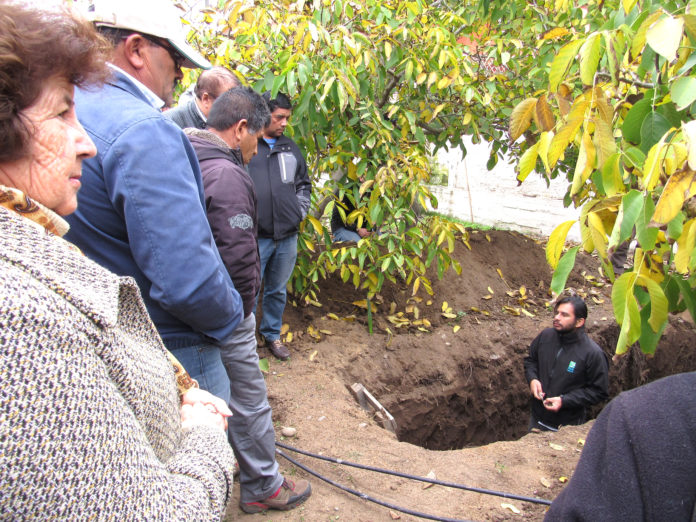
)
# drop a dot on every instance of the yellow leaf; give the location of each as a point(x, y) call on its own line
point(523, 291)
point(428, 302)
point(512, 508)
point(561, 62)
point(685, 246)
point(326, 332)
point(284, 329)
point(680, 187)
point(639, 39)
point(585, 164)
point(543, 115)
point(628, 5)
point(581, 442)
point(456, 328)
point(421, 78)
point(314, 354)
point(488, 238)
point(598, 233)
point(333, 316)
point(553, 34)
point(487, 297)
point(422, 329)
point(543, 149)
point(589, 58)
point(288, 338)
point(527, 313)
point(448, 315)
point(567, 133)
point(689, 130)
point(500, 273)
point(545, 482)
point(387, 49)
point(527, 162)
point(554, 248)
point(557, 447)
point(563, 479)
point(444, 306)
point(361, 304)
point(521, 117)
point(426, 323)
point(603, 141)
point(490, 290)
point(665, 35)
point(652, 168)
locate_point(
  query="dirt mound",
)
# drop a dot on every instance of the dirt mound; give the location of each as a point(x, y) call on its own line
point(454, 382)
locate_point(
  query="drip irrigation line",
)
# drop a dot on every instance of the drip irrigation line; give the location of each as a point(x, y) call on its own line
point(422, 479)
point(367, 497)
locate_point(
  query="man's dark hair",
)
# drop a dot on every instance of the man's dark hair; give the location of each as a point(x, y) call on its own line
point(281, 101)
point(579, 306)
point(239, 103)
point(210, 81)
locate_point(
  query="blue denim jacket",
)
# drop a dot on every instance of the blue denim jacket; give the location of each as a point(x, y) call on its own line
point(141, 213)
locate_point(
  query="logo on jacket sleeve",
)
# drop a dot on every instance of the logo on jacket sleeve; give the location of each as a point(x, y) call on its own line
point(571, 367)
point(243, 221)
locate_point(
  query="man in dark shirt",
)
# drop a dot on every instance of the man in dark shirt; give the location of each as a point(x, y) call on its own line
point(565, 369)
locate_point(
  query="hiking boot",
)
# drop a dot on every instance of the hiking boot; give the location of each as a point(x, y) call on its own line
point(289, 495)
point(278, 349)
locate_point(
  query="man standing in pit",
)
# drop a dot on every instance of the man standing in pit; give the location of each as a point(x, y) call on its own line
point(565, 369)
point(279, 172)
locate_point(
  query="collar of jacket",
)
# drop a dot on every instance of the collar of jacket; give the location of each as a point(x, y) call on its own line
point(217, 141)
point(566, 338)
point(62, 268)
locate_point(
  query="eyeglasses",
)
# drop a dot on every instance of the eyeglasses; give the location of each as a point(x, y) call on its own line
point(176, 56)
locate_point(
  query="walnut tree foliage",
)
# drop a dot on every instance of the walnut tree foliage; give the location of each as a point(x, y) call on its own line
point(377, 87)
point(616, 116)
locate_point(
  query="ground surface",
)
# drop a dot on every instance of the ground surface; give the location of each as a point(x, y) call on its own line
point(461, 395)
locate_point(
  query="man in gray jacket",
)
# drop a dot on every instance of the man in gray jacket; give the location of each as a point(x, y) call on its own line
point(210, 85)
point(235, 122)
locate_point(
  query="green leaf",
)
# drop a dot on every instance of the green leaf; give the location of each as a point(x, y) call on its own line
point(654, 127)
point(565, 265)
point(688, 295)
point(634, 120)
point(632, 205)
point(264, 366)
point(612, 181)
point(634, 157)
point(683, 92)
point(648, 338)
point(659, 304)
point(645, 234)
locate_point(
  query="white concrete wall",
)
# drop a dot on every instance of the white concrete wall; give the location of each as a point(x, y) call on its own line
point(493, 198)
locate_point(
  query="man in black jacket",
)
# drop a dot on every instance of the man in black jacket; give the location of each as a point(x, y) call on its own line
point(235, 122)
point(279, 172)
point(565, 369)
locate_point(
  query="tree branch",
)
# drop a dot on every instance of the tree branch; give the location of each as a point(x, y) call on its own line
point(393, 82)
point(637, 83)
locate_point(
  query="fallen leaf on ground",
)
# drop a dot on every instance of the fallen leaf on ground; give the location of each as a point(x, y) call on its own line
point(314, 354)
point(545, 482)
point(556, 446)
point(394, 515)
point(563, 479)
point(430, 475)
point(510, 507)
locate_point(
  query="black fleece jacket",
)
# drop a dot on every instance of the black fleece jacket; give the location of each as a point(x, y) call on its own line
point(230, 201)
point(570, 365)
point(639, 461)
point(282, 186)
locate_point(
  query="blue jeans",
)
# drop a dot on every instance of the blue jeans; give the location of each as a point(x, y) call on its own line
point(250, 429)
point(277, 263)
point(203, 363)
point(343, 235)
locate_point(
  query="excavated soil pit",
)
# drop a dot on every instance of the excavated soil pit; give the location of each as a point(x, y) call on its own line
point(461, 383)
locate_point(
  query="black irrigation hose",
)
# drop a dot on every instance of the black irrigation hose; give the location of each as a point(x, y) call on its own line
point(422, 479)
point(363, 495)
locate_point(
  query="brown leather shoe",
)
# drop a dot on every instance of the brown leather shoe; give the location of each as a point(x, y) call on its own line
point(289, 495)
point(278, 349)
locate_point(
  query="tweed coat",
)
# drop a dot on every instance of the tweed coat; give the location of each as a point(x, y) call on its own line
point(89, 412)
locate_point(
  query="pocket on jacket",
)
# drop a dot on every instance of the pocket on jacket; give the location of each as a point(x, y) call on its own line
point(288, 165)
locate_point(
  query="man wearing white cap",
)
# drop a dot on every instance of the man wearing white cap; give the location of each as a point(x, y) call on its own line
point(142, 213)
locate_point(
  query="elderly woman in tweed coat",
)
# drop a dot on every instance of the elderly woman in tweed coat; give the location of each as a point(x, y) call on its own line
point(91, 424)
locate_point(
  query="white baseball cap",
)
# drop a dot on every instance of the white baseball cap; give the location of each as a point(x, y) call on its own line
point(158, 18)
